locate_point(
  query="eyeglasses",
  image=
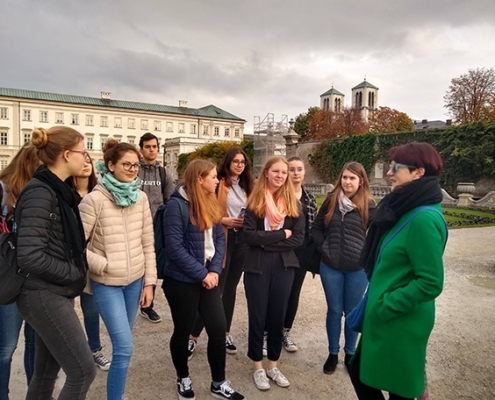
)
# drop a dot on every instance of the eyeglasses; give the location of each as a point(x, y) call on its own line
point(298, 169)
point(239, 162)
point(394, 167)
point(128, 166)
point(84, 153)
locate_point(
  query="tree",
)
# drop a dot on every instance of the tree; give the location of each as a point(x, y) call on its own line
point(471, 97)
point(353, 122)
point(327, 124)
point(301, 123)
point(388, 120)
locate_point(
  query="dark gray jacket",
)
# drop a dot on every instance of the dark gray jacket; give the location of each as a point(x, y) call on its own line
point(41, 248)
point(341, 242)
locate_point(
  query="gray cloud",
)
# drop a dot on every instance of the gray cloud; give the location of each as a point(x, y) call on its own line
point(249, 58)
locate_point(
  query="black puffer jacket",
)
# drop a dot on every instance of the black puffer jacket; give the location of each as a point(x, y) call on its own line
point(341, 242)
point(41, 248)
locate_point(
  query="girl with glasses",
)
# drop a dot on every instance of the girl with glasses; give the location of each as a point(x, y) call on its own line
point(84, 184)
point(51, 248)
point(121, 254)
point(405, 280)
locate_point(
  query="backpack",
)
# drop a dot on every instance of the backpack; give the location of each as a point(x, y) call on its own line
point(11, 278)
point(163, 179)
point(162, 260)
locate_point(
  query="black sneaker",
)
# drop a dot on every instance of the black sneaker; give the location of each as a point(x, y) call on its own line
point(191, 346)
point(184, 389)
point(225, 391)
point(230, 347)
point(151, 315)
point(331, 364)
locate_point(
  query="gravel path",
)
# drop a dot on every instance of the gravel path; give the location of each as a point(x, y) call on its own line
point(461, 357)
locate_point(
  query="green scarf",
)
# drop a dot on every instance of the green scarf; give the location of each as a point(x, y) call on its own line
point(125, 194)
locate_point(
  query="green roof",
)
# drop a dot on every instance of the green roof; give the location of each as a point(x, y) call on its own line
point(365, 84)
point(209, 111)
point(332, 91)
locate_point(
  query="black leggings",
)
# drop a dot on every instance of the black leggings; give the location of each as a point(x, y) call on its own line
point(186, 300)
point(363, 391)
point(229, 279)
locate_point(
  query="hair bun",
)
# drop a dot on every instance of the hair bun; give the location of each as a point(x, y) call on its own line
point(39, 137)
point(109, 144)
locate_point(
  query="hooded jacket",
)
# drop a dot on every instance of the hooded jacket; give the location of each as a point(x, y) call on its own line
point(121, 246)
point(157, 185)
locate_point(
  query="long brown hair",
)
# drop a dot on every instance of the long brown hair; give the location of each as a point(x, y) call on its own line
point(204, 210)
point(54, 141)
point(361, 198)
point(256, 200)
point(19, 172)
point(92, 179)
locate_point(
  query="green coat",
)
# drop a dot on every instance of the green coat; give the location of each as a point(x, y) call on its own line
point(400, 312)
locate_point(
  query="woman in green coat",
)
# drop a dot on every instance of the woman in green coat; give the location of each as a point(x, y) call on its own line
point(404, 282)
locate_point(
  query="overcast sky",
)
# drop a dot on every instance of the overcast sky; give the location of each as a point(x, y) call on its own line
point(248, 57)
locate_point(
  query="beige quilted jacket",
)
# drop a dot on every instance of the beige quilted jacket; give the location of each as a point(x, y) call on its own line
point(121, 244)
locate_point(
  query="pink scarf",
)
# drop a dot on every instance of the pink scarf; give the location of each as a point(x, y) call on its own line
point(275, 213)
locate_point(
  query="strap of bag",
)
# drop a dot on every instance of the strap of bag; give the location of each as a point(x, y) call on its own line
point(96, 223)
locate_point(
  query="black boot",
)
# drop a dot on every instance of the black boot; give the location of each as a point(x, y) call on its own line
point(331, 364)
point(347, 360)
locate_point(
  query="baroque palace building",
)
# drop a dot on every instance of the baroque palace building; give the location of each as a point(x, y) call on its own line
point(180, 129)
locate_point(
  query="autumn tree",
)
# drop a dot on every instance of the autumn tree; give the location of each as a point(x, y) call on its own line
point(353, 122)
point(471, 97)
point(388, 120)
point(301, 123)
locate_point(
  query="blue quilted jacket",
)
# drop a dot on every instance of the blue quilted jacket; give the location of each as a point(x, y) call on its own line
point(186, 248)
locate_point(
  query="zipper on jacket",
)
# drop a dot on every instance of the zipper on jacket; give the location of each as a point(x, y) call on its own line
point(126, 245)
point(341, 240)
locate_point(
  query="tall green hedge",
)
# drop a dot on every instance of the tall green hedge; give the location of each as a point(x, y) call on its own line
point(468, 152)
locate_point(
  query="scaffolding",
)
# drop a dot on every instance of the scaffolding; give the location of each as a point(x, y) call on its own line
point(268, 139)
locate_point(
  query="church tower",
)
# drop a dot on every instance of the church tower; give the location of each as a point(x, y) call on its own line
point(332, 100)
point(365, 98)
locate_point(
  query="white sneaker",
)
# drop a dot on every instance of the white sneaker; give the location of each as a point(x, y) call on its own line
point(289, 344)
point(265, 345)
point(276, 376)
point(260, 379)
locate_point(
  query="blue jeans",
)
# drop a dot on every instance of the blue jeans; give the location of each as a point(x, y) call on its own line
point(118, 307)
point(343, 290)
point(10, 323)
point(91, 321)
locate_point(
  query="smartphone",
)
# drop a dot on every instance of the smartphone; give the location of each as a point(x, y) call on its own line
point(242, 212)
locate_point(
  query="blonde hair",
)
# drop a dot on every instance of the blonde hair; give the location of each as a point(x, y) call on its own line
point(256, 201)
point(54, 141)
point(204, 210)
point(361, 198)
point(19, 172)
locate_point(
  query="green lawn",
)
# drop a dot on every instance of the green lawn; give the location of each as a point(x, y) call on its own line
point(456, 217)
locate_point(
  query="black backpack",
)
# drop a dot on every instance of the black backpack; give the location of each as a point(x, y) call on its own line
point(162, 260)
